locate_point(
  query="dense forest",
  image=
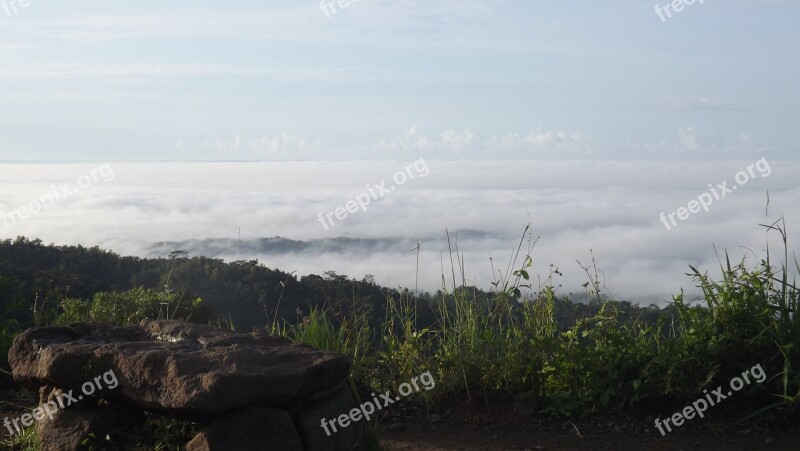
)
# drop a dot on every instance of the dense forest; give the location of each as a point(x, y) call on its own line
point(245, 294)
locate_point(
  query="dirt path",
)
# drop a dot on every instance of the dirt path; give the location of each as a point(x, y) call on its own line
point(413, 430)
point(450, 437)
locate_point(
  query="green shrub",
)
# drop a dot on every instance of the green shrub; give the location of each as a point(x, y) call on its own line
point(130, 307)
point(9, 328)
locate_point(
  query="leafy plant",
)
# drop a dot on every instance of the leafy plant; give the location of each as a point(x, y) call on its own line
point(27, 440)
point(129, 307)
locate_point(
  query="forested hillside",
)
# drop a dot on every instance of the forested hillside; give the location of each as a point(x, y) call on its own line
point(245, 293)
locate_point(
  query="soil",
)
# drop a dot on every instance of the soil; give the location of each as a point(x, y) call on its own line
point(13, 403)
point(410, 428)
point(452, 429)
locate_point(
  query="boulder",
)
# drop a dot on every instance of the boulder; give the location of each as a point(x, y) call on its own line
point(247, 390)
point(176, 367)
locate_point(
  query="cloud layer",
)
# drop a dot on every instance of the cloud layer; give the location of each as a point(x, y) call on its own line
point(580, 208)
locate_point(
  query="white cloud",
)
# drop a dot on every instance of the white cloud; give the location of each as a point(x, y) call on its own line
point(689, 140)
point(285, 145)
point(464, 144)
point(611, 208)
point(282, 147)
point(535, 144)
point(448, 141)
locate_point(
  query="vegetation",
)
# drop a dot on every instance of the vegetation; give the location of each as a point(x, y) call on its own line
point(156, 433)
point(28, 440)
point(132, 306)
point(511, 346)
point(518, 342)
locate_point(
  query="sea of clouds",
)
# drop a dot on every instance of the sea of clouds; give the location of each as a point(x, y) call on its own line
point(579, 209)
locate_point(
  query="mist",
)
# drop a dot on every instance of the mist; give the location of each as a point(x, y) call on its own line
point(285, 216)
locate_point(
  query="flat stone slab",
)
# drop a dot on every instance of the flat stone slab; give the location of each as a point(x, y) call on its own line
point(175, 367)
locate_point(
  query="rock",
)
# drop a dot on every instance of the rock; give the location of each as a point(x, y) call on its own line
point(248, 428)
point(244, 388)
point(341, 402)
point(170, 366)
point(57, 398)
point(69, 427)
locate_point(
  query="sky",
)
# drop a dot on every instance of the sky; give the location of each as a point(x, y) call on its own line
point(145, 127)
point(399, 80)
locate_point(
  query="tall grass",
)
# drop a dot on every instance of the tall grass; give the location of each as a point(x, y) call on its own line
point(508, 344)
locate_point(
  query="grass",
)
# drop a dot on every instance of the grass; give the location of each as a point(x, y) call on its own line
point(156, 433)
point(28, 440)
point(510, 344)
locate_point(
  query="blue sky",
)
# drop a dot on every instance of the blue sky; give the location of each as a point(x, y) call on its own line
point(510, 79)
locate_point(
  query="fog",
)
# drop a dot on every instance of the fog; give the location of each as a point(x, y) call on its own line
point(608, 210)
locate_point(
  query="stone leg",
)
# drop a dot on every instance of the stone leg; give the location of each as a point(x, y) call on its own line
point(64, 429)
point(355, 436)
point(249, 428)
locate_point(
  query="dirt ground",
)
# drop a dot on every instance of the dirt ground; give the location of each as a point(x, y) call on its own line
point(449, 430)
point(13, 403)
point(409, 428)
point(453, 437)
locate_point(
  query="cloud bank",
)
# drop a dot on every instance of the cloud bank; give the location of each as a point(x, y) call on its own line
point(578, 209)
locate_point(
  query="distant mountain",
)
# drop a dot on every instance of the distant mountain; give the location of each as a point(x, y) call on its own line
point(216, 247)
